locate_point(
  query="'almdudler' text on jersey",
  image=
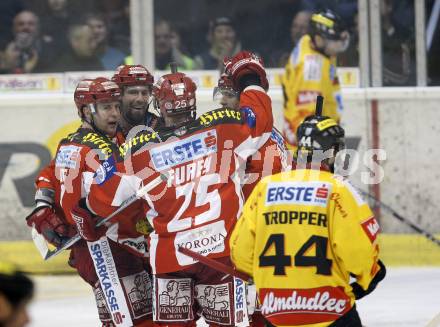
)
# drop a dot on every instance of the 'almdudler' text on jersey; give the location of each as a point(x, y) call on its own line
point(301, 234)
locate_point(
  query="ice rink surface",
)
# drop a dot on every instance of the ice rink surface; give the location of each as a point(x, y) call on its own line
point(408, 297)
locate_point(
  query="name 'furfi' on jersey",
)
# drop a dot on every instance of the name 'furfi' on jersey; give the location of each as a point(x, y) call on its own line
point(198, 203)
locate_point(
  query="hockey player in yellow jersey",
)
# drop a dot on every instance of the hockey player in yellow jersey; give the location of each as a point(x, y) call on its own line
point(311, 71)
point(303, 233)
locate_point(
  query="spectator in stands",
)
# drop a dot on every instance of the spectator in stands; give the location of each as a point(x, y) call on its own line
point(81, 56)
point(110, 57)
point(300, 25)
point(16, 291)
point(112, 10)
point(350, 58)
point(298, 28)
point(223, 40)
point(55, 16)
point(29, 51)
point(165, 52)
point(346, 9)
point(8, 10)
point(120, 30)
point(397, 50)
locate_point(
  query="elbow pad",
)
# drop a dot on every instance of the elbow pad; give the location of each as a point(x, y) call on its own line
point(45, 195)
point(359, 292)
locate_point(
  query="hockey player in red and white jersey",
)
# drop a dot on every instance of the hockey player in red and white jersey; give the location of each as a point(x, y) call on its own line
point(271, 158)
point(113, 260)
point(136, 84)
point(204, 160)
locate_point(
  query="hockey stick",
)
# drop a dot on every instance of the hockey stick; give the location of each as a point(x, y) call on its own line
point(319, 103)
point(127, 202)
point(404, 220)
point(215, 264)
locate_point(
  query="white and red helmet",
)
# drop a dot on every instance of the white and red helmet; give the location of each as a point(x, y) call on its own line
point(175, 93)
point(244, 63)
point(92, 91)
point(129, 75)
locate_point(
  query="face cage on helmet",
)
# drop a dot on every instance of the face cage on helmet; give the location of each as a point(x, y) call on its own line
point(192, 115)
point(174, 111)
point(219, 92)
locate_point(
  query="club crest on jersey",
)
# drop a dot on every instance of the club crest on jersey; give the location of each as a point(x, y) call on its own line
point(305, 193)
point(180, 151)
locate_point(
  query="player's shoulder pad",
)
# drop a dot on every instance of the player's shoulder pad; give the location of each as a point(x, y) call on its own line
point(141, 141)
point(102, 145)
point(219, 116)
point(350, 189)
point(74, 137)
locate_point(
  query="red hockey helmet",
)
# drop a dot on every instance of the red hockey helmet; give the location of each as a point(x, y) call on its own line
point(100, 89)
point(128, 75)
point(175, 93)
point(244, 63)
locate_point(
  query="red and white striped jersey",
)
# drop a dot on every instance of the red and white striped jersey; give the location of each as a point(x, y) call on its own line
point(203, 163)
point(84, 158)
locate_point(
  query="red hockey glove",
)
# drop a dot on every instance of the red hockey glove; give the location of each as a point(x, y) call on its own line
point(246, 68)
point(86, 223)
point(53, 228)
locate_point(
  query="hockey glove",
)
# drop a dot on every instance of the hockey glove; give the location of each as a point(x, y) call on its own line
point(245, 69)
point(359, 292)
point(53, 228)
point(86, 222)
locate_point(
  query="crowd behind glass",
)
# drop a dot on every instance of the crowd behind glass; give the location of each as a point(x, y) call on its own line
point(66, 35)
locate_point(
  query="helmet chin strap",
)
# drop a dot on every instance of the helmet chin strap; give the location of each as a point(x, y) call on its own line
point(92, 122)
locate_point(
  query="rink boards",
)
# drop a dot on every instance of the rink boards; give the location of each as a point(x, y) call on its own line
point(402, 121)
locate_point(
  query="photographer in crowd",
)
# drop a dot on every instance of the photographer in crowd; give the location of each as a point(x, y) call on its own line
point(29, 51)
